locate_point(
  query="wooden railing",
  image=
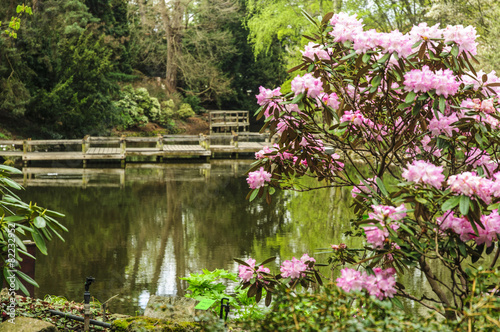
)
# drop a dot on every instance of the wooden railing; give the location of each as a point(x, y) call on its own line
point(228, 121)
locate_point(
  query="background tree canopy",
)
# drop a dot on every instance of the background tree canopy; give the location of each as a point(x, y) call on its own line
point(62, 75)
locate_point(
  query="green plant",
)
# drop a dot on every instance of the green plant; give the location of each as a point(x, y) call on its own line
point(209, 285)
point(20, 220)
point(194, 101)
point(331, 309)
point(185, 111)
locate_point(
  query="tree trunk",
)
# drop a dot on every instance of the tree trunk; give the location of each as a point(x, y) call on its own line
point(172, 22)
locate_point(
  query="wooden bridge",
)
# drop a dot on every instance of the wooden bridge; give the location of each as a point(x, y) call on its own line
point(121, 148)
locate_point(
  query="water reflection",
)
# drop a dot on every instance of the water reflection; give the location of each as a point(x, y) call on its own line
point(169, 220)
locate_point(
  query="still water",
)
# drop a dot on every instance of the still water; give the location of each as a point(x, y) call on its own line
point(138, 230)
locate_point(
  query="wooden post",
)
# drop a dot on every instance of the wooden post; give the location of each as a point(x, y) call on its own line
point(234, 139)
point(25, 151)
point(123, 149)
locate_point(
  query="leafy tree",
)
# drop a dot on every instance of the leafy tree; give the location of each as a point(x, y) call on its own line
point(79, 103)
point(414, 128)
point(187, 40)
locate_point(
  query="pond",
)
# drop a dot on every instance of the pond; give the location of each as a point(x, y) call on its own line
point(138, 230)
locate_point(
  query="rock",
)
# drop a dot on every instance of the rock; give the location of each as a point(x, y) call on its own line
point(146, 324)
point(25, 324)
point(171, 308)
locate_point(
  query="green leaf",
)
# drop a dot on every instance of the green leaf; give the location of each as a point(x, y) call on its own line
point(464, 205)
point(12, 170)
point(39, 241)
point(271, 190)
point(39, 222)
point(254, 194)
point(454, 50)
point(270, 259)
point(410, 97)
point(384, 58)
point(450, 203)
point(366, 57)
point(381, 186)
point(27, 278)
point(376, 81)
point(297, 98)
point(19, 9)
point(479, 138)
point(353, 54)
point(461, 247)
point(442, 104)
point(397, 303)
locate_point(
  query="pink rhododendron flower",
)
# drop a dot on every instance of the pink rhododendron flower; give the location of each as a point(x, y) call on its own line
point(421, 171)
point(245, 272)
point(306, 259)
point(365, 41)
point(381, 284)
point(312, 49)
point(463, 227)
point(361, 188)
point(350, 280)
point(491, 229)
point(443, 125)
point(293, 269)
point(425, 32)
point(267, 95)
point(345, 27)
point(469, 184)
point(465, 38)
point(262, 153)
point(423, 80)
point(307, 83)
point(331, 100)
point(258, 178)
point(384, 212)
point(262, 269)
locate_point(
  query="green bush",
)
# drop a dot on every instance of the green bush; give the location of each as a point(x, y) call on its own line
point(334, 310)
point(185, 111)
point(137, 108)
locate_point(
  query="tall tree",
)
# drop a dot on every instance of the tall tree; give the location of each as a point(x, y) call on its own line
point(190, 41)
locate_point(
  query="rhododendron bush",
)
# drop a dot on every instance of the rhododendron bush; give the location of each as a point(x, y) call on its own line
point(409, 123)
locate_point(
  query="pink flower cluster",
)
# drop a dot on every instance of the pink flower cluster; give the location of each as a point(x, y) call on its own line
point(312, 49)
point(246, 273)
point(330, 100)
point(462, 227)
point(258, 178)
point(361, 188)
point(381, 284)
point(443, 125)
point(465, 38)
point(477, 80)
point(345, 27)
point(384, 214)
point(470, 184)
point(349, 28)
point(423, 172)
point(267, 95)
point(478, 157)
point(307, 83)
point(423, 80)
point(356, 118)
point(296, 267)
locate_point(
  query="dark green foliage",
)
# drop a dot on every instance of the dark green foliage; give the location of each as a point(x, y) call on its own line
point(249, 72)
point(80, 102)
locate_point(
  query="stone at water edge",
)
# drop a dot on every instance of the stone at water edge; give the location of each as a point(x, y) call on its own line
point(172, 308)
point(26, 324)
